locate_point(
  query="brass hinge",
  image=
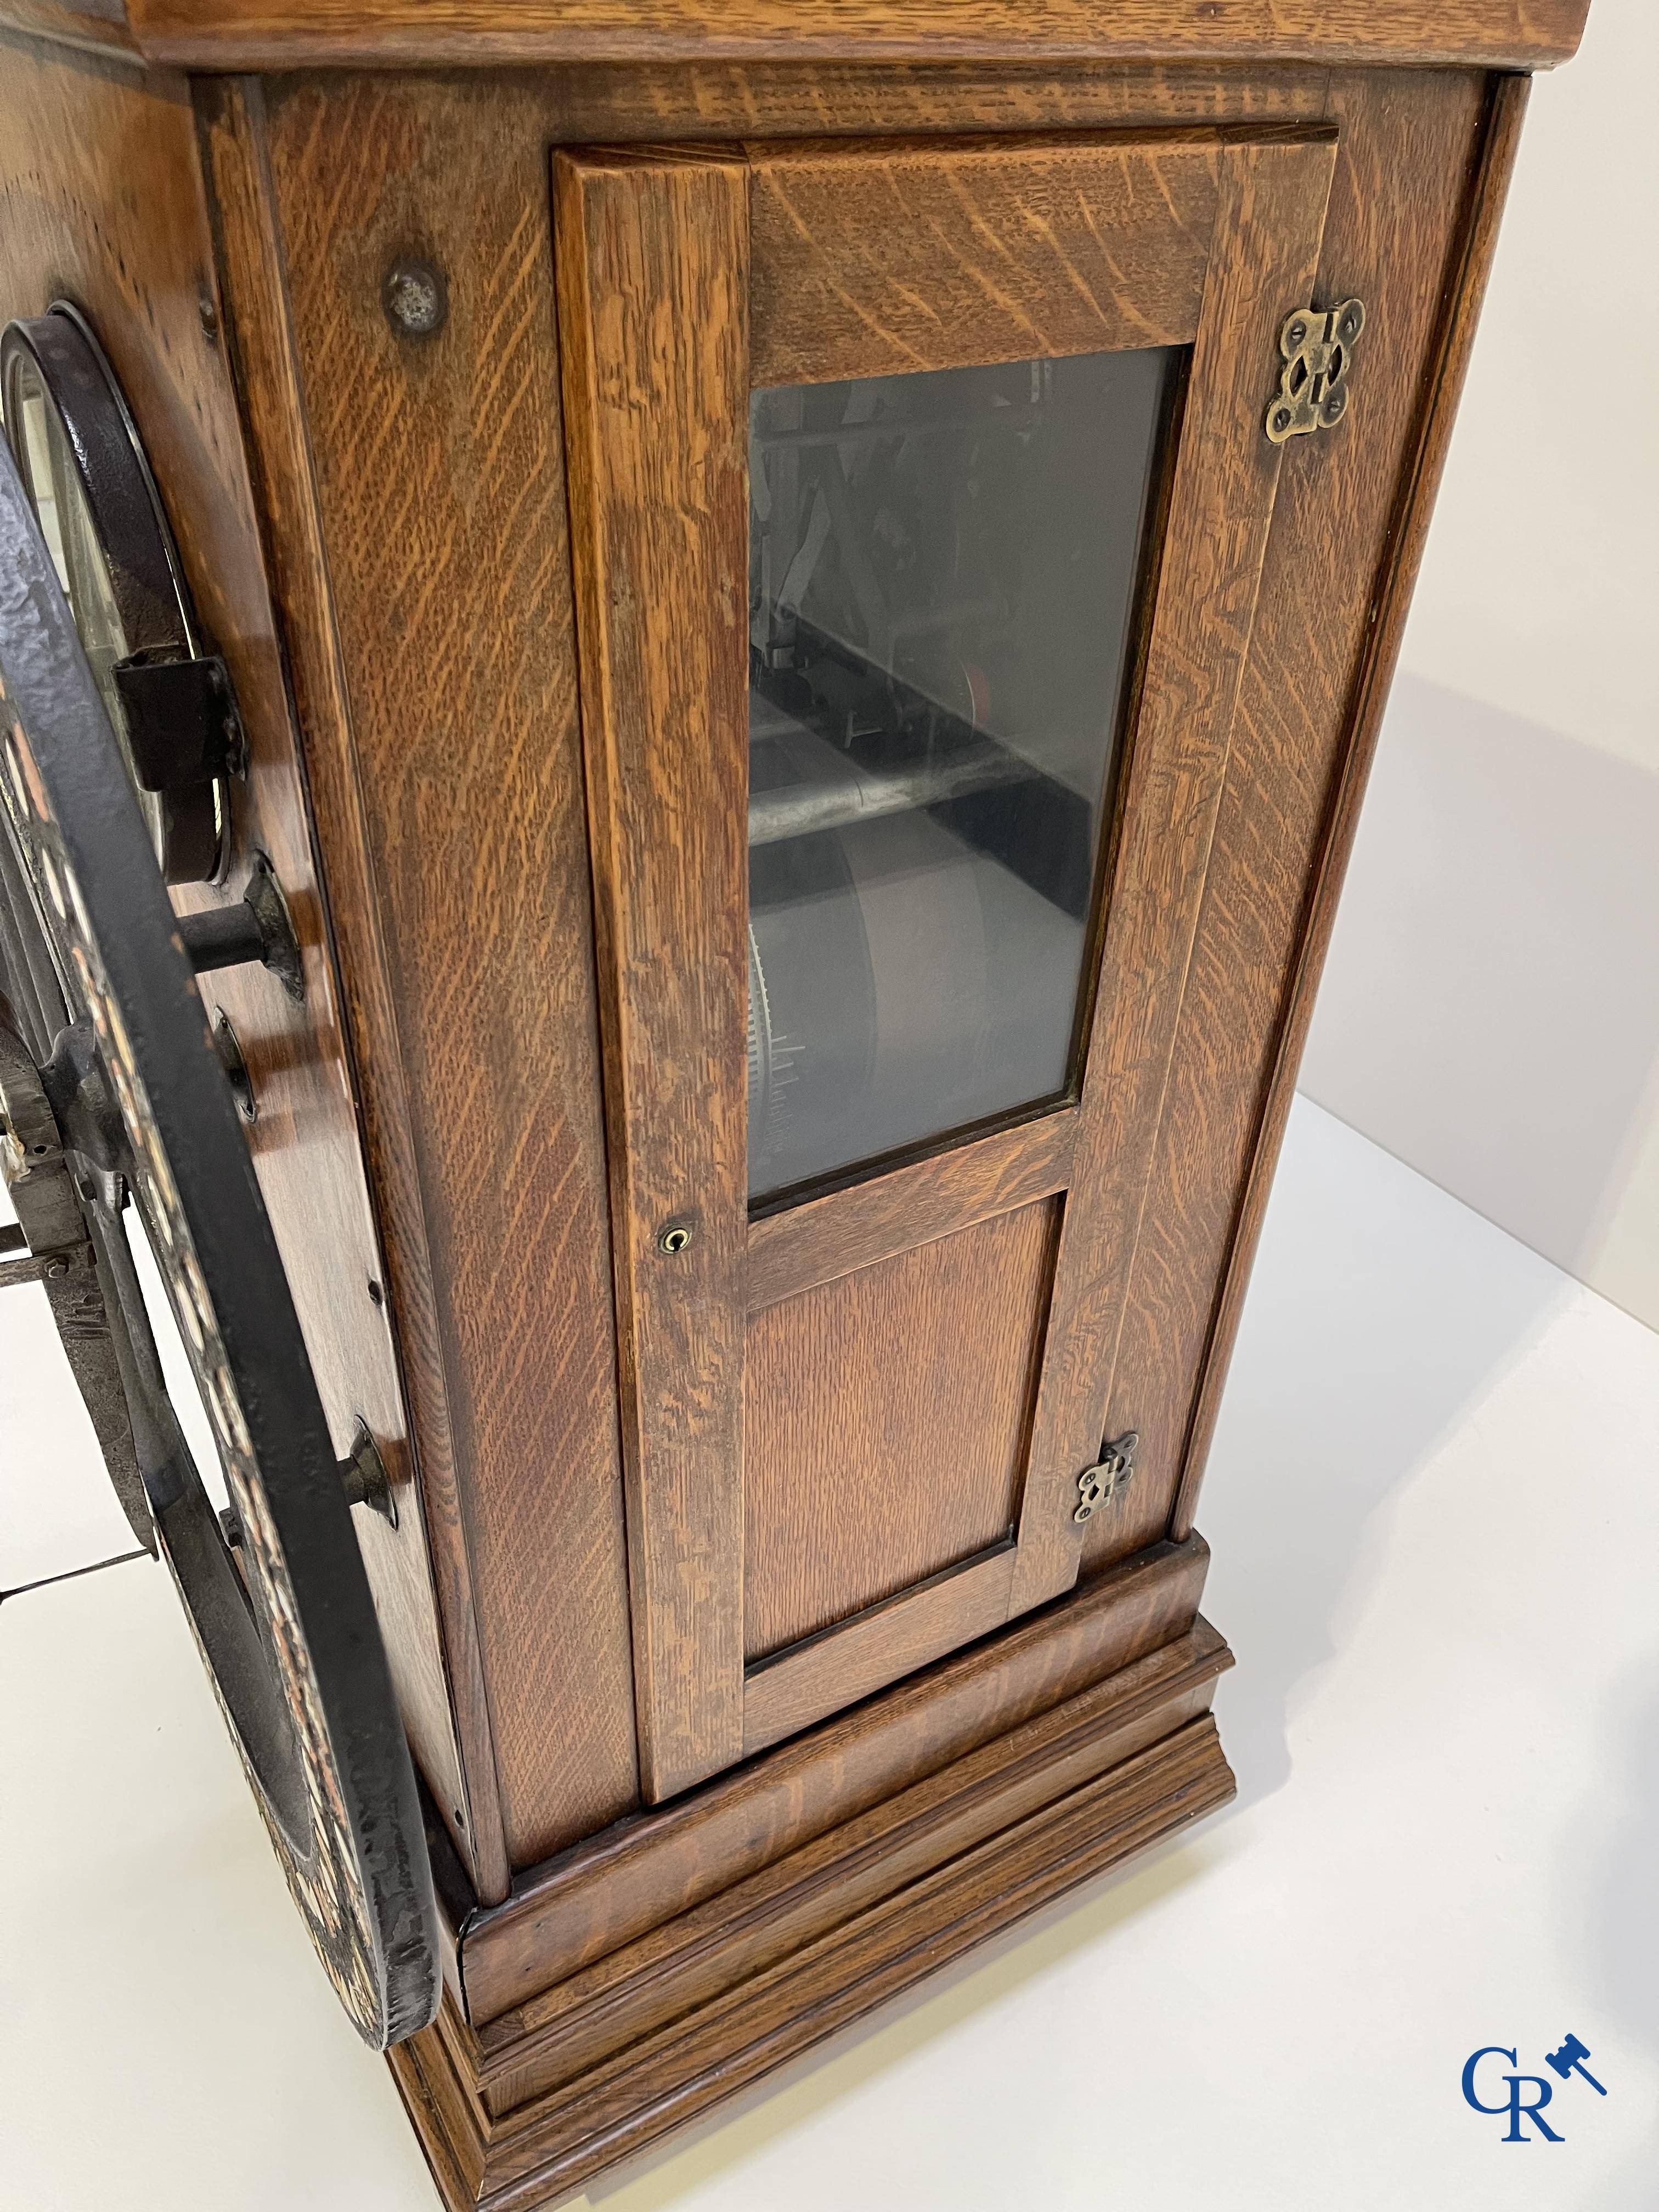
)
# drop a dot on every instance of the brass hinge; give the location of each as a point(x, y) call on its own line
point(1098, 1484)
point(1317, 343)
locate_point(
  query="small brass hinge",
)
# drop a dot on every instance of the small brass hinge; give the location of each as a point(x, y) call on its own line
point(1111, 1472)
point(1317, 343)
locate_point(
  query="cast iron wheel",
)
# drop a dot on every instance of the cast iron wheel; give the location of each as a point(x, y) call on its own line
point(111, 1095)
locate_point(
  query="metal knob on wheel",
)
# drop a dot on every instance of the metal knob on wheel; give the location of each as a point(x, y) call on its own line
point(120, 1134)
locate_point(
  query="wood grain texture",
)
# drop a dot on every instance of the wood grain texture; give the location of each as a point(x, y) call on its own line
point(98, 26)
point(653, 424)
point(1405, 542)
point(262, 343)
point(884, 1424)
point(556, 2142)
point(285, 33)
point(371, 165)
point(825, 1237)
point(826, 1673)
point(1398, 214)
point(899, 257)
point(101, 199)
point(575, 2025)
point(440, 488)
point(648, 253)
point(654, 1865)
point(685, 102)
point(1221, 502)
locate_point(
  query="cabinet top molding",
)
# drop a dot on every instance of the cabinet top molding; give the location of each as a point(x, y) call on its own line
point(275, 34)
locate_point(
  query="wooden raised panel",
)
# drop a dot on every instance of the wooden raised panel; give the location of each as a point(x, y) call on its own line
point(918, 257)
point(885, 1419)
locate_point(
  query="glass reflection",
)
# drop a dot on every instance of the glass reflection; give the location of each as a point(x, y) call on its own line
point(942, 578)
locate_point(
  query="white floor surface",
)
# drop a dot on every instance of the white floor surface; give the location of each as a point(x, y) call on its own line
point(1434, 1510)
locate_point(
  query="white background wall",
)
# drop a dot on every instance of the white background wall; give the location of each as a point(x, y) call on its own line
point(1491, 1007)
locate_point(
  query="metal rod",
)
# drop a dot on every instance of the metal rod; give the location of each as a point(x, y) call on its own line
point(988, 418)
point(806, 809)
point(259, 927)
point(224, 937)
point(37, 1267)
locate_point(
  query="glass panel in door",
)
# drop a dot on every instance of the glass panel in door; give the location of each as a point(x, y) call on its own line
point(943, 569)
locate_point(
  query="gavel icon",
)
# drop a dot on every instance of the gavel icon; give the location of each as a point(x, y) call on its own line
point(1569, 2060)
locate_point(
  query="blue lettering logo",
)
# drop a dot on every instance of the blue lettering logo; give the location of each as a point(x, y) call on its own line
point(1527, 2094)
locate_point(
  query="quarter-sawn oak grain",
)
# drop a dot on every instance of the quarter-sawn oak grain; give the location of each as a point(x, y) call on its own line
point(884, 1424)
point(262, 339)
point(822, 1238)
point(413, 505)
point(898, 258)
point(1221, 502)
point(1405, 547)
point(654, 1865)
point(641, 261)
point(1400, 204)
point(286, 33)
point(439, 484)
point(650, 253)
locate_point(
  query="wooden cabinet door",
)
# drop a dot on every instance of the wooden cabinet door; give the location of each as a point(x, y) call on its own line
point(920, 495)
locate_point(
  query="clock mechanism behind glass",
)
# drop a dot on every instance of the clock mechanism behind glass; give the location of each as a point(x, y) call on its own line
point(943, 572)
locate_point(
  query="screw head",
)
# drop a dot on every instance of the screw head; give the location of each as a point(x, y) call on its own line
point(415, 296)
point(54, 1269)
point(674, 1238)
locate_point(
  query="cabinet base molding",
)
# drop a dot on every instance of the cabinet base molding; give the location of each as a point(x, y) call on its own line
point(526, 2109)
point(655, 1866)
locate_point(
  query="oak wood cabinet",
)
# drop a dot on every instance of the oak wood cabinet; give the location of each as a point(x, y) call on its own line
point(808, 694)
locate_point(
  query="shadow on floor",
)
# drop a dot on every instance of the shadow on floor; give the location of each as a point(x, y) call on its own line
point(1379, 1311)
point(1488, 1011)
